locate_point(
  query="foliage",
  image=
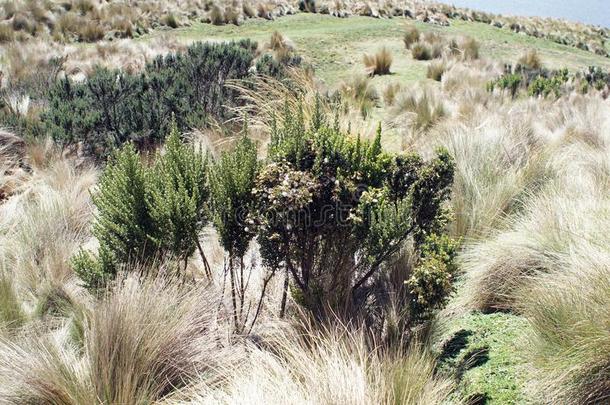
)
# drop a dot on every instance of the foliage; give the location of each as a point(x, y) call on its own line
point(335, 210)
point(231, 181)
point(178, 197)
point(543, 86)
point(146, 213)
point(114, 107)
point(432, 280)
point(508, 81)
point(123, 225)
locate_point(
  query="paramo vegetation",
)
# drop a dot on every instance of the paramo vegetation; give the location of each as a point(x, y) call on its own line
point(187, 222)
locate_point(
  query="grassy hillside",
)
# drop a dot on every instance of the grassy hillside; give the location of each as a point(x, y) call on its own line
point(335, 46)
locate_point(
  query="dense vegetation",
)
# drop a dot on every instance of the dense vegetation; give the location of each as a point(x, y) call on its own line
point(113, 107)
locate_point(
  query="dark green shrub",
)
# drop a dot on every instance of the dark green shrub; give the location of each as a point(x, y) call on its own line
point(123, 224)
point(113, 107)
point(145, 213)
point(431, 282)
point(335, 211)
point(231, 181)
point(179, 194)
point(508, 81)
point(543, 86)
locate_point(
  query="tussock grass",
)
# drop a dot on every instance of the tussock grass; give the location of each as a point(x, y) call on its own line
point(530, 60)
point(389, 93)
point(379, 63)
point(143, 341)
point(553, 222)
point(361, 93)
point(421, 51)
point(567, 349)
point(436, 69)
point(418, 108)
point(411, 36)
point(327, 367)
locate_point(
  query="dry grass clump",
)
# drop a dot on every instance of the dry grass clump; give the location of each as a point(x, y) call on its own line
point(530, 60)
point(421, 51)
point(437, 68)
point(569, 211)
point(411, 36)
point(418, 108)
point(360, 93)
point(390, 92)
point(336, 366)
point(469, 48)
point(379, 63)
point(217, 16)
point(140, 343)
point(266, 96)
point(433, 45)
point(567, 348)
point(41, 226)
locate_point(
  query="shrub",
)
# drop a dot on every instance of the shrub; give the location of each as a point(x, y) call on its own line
point(431, 282)
point(508, 81)
point(123, 225)
point(146, 214)
point(543, 86)
point(231, 182)
point(421, 51)
point(335, 210)
point(178, 196)
point(217, 15)
point(378, 64)
point(113, 107)
point(411, 36)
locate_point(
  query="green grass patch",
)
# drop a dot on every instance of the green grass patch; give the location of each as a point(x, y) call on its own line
point(478, 350)
point(335, 46)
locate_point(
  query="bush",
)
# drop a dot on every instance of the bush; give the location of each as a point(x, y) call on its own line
point(334, 211)
point(144, 213)
point(378, 64)
point(231, 180)
point(123, 226)
point(178, 196)
point(509, 81)
point(113, 107)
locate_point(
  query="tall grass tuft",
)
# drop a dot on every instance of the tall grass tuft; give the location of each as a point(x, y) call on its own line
point(530, 60)
point(379, 63)
point(411, 36)
point(336, 366)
